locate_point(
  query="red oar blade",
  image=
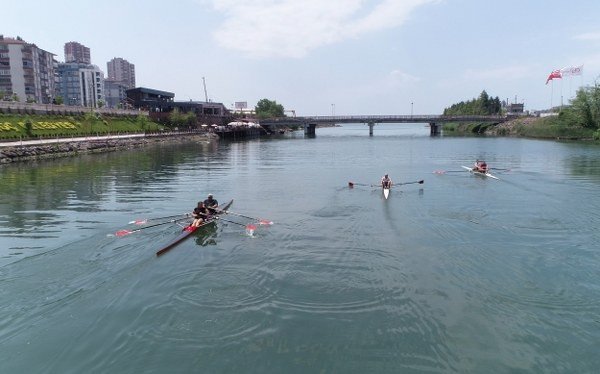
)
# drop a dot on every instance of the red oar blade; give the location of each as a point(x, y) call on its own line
point(123, 233)
point(265, 222)
point(138, 222)
point(250, 229)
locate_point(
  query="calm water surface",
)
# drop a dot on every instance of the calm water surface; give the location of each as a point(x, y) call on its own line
point(459, 274)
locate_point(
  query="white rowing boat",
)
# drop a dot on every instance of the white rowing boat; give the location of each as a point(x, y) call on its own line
point(487, 174)
point(386, 193)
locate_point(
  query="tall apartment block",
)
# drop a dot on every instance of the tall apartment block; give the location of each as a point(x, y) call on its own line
point(26, 71)
point(75, 52)
point(121, 70)
point(121, 77)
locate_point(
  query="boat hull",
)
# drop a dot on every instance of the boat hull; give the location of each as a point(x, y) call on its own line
point(187, 231)
point(386, 193)
point(488, 175)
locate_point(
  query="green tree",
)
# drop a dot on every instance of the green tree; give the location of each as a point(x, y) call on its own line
point(266, 108)
point(483, 105)
point(176, 118)
point(28, 127)
point(190, 118)
point(58, 100)
point(142, 120)
point(586, 106)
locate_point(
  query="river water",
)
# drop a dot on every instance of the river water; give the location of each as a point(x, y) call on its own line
point(458, 274)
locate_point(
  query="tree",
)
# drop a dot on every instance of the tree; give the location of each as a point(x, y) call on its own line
point(142, 121)
point(176, 118)
point(483, 105)
point(586, 106)
point(266, 108)
point(190, 118)
point(28, 127)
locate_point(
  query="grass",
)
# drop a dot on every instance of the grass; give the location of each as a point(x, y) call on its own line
point(19, 126)
point(553, 128)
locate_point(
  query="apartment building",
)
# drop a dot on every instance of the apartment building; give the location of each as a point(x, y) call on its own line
point(27, 73)
point(76, 52)
point(81, 84)
point(121, 77)
point(121, 70)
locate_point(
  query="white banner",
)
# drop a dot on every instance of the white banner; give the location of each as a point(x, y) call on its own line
point(571, 70)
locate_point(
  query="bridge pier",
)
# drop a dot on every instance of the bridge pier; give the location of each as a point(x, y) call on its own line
point(435, 129)
point(371, 124)
point(309, 129)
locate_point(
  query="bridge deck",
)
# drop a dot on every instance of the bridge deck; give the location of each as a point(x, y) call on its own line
point(317, 120)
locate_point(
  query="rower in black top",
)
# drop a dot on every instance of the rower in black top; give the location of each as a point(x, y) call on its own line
point(211, 203)
point(200, 214)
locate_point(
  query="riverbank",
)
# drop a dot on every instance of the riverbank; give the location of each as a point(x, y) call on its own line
point(528, 127)
point(56, 148)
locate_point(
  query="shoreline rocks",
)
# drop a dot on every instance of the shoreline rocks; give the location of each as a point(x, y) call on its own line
point(68, 149)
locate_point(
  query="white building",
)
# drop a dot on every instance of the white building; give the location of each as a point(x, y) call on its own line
point(27, 72)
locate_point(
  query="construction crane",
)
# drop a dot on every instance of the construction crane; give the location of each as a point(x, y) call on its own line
point(205, 93)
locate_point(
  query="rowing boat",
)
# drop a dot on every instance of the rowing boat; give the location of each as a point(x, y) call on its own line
point(386, 192)
point(189, 230)
point(486, 174)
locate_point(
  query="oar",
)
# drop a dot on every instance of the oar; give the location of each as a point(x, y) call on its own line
point(447, 171)
point(260, 221)
point(500, 169)
point(419, 182)
point(400, 184)
point(352, 184)
point(249, 227)
point(127, 232)
point(142, 221)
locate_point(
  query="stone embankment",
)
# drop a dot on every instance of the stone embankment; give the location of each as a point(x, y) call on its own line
point(54, 149)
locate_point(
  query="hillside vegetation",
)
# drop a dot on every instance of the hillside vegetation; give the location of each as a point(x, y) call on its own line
point(579, 120)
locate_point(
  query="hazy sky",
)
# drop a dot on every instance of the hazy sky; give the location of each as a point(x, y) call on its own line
point(322, 56)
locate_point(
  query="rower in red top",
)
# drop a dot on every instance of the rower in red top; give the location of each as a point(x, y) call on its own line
point(480, 166)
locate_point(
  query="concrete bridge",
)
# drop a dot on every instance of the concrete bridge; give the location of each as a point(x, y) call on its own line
point(435, 121)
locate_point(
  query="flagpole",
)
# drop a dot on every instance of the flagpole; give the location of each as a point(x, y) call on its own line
point(561, 94)
point(551, 93)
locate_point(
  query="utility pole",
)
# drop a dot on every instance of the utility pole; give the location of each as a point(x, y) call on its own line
point(205, 93)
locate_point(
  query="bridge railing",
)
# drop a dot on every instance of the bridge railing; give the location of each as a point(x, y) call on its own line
point(428, 118)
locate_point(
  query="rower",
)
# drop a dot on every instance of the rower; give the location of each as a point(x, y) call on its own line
point(211, 203)
point(200, 214)
point(480, 166)
point(386, 182)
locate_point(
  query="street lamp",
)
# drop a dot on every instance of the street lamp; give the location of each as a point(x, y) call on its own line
point(332, 110)
point(411, 109)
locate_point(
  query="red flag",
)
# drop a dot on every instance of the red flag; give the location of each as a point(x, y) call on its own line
point(554, 75)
